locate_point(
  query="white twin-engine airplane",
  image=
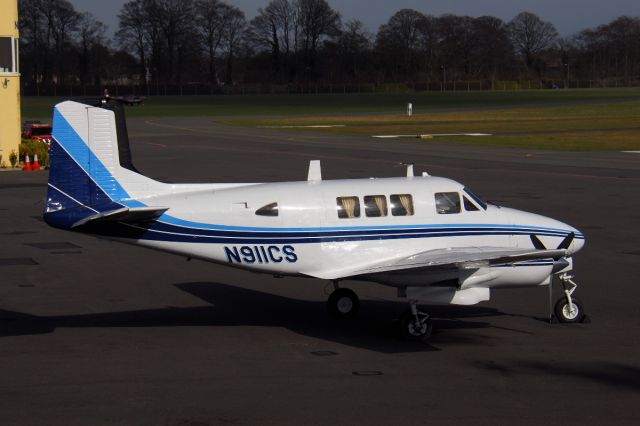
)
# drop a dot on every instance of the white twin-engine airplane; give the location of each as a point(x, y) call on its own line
point(429, 237)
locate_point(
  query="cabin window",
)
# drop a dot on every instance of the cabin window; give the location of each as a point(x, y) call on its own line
point(270, 209)
point(401, 204)
point(375, 205)
point(468, 205)
point(348, 207)
point(447, 202)
point(475, 198)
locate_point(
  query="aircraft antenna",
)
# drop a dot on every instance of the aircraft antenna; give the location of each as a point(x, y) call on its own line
point(409, 169)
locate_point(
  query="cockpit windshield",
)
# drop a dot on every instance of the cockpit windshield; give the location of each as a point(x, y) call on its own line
point(476, 198)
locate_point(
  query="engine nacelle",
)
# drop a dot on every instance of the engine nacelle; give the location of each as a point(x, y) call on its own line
point(524, 274)
point(448, 295)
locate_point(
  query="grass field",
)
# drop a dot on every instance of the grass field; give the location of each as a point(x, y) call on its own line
point(597, 119)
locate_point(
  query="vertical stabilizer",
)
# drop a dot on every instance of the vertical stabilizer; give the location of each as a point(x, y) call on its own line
point(86, 176)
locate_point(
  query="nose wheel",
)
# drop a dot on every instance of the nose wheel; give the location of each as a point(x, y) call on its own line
point(569, 312)
point(568, 309)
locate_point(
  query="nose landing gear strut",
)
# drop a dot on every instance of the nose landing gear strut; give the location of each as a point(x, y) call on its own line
point(568, 309)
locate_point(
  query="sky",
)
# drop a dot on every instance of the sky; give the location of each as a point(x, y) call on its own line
point(568, 16)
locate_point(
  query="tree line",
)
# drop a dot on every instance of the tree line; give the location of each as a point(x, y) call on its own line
point(211, 42)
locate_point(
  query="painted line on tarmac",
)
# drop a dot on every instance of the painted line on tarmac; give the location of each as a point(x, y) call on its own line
point(161, 145)
point(631, 152)
point(312, 126)
point(426, 136)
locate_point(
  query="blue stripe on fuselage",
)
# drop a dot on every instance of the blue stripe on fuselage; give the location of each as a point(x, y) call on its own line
point(150, 233)
point(355, 231)
point(198, 226)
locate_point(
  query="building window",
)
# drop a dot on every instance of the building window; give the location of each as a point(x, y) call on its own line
point(348, 207)
point(401, 205)
point(375, 205)
point(6, 54)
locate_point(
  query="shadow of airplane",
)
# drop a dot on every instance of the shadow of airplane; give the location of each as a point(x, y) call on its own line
point(233, 306)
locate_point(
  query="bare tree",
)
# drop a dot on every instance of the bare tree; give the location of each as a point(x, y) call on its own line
point(62, 21)
point(234, 25)
point(210, 21)
point(316, 19)
point(611, 50)
point(132, 32)
point(32, 26)
point(624, 34)
point(274, 29)
point(90, 33)
point(174, 18)
point(531, 36)
point(493, 49)
point(400, 39)
point(304, 40)
point(263, 34)
point(456, 45)
point(354, 43)
point(428, 45)
point(284, 12)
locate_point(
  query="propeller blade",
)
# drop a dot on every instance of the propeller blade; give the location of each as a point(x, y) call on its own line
point(559, 265)
point(537, 243)
point(567, 241)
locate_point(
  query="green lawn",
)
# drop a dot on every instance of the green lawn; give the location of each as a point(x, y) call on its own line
point(584, 119)
point(593, 125)
point(251, 105)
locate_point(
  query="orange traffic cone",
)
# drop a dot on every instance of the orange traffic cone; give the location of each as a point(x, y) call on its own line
point(36, 166)
point(27, 164)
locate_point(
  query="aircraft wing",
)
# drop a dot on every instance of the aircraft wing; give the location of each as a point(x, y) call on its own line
point(125, 214)
point(454, 258)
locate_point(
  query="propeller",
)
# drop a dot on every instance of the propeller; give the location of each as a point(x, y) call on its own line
point(537, 243)
point(564, 244)
point(559, 263)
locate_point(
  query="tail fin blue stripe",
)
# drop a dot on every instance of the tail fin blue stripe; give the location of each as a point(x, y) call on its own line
point(72, 195)
point(69, 139)
point(80, 184)
point(67, 176)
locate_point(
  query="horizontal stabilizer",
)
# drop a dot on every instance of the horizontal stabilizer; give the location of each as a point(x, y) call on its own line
point(125, 214)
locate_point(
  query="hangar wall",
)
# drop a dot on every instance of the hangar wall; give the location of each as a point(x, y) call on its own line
point(9, 80)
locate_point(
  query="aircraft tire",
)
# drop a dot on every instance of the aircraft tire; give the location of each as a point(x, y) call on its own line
point(409, 330)
point(565, 315)
point(343, 304)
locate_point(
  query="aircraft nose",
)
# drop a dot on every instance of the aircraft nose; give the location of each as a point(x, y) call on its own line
point(553, 234)
point(577, 243)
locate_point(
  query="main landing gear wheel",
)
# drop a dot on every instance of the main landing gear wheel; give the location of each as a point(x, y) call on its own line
point(343, 303)
point(415, 325)
point(569, 312)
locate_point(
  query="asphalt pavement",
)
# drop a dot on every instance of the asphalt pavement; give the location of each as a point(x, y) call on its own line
point(100, 333)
